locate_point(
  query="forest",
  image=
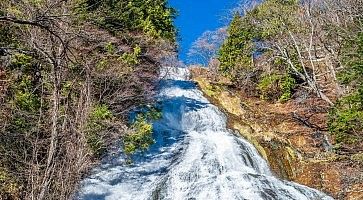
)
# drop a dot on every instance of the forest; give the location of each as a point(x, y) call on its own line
point(71, 71)
point(282, 50)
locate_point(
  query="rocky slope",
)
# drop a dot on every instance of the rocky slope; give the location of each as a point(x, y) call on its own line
point(291, 136)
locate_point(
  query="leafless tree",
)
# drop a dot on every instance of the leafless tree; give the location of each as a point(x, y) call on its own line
point(206, 46)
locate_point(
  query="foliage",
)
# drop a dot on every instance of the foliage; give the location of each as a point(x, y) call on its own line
point(276, 86)
point(95, 125)
point(71, 71)
point(140, 138)
point(287, 85)
point(272, 17)
point(9, 189)
point(346, 117)
point(131, 58)
point(236, 52)
point(25, 100)
point(154, 18)
point(100, 112)
point(110, 48)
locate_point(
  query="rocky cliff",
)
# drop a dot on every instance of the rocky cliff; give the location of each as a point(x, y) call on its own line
point(297, 149)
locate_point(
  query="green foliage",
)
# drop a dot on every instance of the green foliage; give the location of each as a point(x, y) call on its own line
point(152, 114)
point(21, 61)
point(110, 48)
point(346, 117)
point(102, 64)
point(46, 93)
point(272, 17)
point(154, 18)
point(353, 74)
point(267, 20)
point(268, 86)
point(287, 84)
point(94, 128)
point(23, 89)
point(131, 58)
point(236, 51)
point(20, 124)
point(100, 112)
point(66, 88)
point(26, 100)
point(9, 189)
point(8, 36)
point(275, 86)
point(36, 3)
point(140, 138)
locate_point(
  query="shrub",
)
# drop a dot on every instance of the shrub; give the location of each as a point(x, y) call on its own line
point(21, 61)
point(131, 58)
point(276, 87)
point(100, 112)
point(287, 84)
point(140, 137)
point(346, 118)
point(154, 18)
point(94, 128)
point(9, 189)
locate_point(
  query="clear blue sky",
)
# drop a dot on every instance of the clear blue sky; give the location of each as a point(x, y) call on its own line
point(197, 16)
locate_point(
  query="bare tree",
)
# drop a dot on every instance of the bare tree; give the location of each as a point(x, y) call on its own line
point(205, 48)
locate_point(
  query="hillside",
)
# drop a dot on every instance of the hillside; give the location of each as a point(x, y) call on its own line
point(70, 74)
point(289, 76)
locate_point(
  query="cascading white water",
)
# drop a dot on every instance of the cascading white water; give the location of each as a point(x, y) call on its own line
point(195, 157)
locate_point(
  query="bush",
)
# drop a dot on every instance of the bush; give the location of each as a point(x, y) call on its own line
point(140, 137)
point(131, 58)
point(27, 101)
point(9, 189)
point(100, 112)
point(94, 128)
point(276, 87)
point(346, 118)
point(154, 18)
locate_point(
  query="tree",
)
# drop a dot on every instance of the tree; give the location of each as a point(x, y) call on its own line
point(71, 78)
point(154, 18)
point(346, 117)
point(236, 51)
point(206, 47)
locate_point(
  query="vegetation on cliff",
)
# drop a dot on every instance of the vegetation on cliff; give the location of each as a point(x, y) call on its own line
point(70, 73)
point(346, 117)
point(279, 50)
point(296, 68)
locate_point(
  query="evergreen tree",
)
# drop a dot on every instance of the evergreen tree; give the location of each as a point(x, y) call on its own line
point(154, 18)
point(346, 117)
point(236, 51)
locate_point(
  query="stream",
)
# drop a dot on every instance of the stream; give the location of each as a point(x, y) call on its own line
point(195, 157)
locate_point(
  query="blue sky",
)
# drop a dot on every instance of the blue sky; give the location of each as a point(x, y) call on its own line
point(197, 16)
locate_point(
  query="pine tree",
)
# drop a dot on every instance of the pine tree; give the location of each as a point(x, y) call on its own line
point(236, 51)
point(346, 117)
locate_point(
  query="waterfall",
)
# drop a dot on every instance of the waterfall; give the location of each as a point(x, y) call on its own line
point(195, 157)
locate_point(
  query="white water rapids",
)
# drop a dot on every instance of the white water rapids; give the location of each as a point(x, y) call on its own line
point(195, 157)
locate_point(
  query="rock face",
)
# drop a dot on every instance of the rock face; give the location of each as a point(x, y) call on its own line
point(297, 150)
